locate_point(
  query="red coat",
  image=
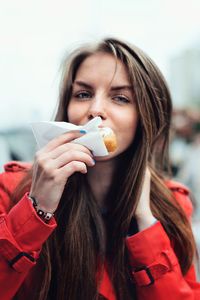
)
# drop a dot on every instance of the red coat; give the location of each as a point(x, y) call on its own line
point(22, 234)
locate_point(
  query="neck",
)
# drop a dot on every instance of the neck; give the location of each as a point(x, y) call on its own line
point(100, 178)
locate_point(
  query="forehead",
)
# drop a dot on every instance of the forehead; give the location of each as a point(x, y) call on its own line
point(102, 66)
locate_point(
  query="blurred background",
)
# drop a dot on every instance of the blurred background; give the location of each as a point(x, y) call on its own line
point(35, 36)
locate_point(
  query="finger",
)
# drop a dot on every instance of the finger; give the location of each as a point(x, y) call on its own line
point(66, 171)
point(73, 155)
point(62, 139)
point(67, 147)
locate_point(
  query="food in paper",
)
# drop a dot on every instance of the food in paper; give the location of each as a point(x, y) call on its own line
point(46, 131)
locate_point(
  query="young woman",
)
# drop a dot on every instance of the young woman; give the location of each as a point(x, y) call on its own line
point(120, 228)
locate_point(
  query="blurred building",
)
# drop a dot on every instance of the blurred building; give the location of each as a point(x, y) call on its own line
point(16, 144)
point(185, 78)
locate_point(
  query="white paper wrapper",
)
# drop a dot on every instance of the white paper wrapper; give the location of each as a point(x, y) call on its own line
point(46, 131)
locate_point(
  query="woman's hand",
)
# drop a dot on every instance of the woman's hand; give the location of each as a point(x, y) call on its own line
point(53, 165)
point(143, 212)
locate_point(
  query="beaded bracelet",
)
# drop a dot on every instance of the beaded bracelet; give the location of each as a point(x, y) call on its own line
point(46, 216)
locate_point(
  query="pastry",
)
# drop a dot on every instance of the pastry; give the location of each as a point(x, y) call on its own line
point(109, 138)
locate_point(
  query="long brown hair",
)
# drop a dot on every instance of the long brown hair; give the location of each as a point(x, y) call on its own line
point(75, 251)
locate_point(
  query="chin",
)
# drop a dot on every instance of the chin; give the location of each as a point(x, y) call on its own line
point(111, 155)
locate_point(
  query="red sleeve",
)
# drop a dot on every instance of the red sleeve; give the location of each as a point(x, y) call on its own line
point(22, 234)
point(156, 270)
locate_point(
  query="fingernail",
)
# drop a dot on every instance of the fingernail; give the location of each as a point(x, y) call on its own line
point(83, 131)
point(94, 161)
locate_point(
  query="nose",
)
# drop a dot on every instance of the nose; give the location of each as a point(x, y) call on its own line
point(97, 108)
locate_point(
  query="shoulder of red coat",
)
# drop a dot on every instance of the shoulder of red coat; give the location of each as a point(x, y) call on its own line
point(9, 180)
point(17, 166)
point(181, 194)
point(177, 187)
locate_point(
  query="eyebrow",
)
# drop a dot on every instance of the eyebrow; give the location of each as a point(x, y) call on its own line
point(113, 88)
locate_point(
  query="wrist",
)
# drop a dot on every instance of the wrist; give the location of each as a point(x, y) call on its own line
point(145, 220)
point(42, 213)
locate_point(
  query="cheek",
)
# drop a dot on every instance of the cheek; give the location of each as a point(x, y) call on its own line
point(74, 113)
point(70, 113)
point(127, 128)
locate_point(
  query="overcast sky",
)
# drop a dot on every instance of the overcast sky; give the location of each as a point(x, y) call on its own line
point(34, 35)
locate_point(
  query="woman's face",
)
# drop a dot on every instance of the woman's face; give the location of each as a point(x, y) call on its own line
point(101, 88)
